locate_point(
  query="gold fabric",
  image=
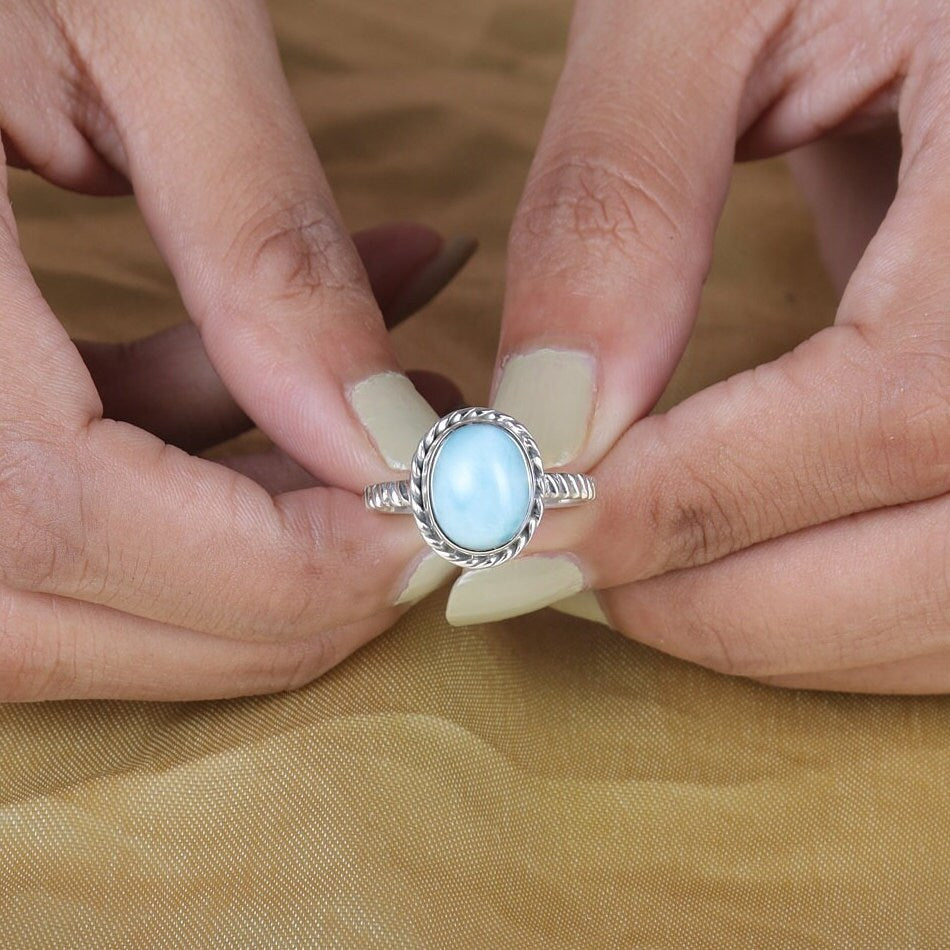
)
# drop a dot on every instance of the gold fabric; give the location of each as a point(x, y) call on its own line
point(535, 783)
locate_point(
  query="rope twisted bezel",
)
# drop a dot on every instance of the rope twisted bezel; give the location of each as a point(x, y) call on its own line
point(419, 488)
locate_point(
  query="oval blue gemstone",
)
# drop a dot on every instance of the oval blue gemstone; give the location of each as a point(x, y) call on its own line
point(481, 488)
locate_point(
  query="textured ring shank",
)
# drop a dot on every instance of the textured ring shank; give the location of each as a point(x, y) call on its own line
point(559, 490)
point(563, 489)
point(392, 498)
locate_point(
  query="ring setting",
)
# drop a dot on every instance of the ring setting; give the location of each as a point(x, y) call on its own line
point(477, 488)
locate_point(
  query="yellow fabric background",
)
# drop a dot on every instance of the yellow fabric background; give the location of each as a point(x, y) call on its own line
point(535, 783)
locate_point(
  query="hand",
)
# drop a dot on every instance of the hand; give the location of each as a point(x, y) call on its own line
point(128, 568)
point(790, 524)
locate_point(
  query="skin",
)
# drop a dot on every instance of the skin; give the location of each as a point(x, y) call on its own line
point(115, 542)
point(791, 524)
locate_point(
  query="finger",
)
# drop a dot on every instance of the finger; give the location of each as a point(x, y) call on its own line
point(928, 673)
point(849, 182)
point(918, 675)
point(166, 384)
point(867, 590)
point(613, 236)
point(52, 648)
point(850, 421)
point(233, 193)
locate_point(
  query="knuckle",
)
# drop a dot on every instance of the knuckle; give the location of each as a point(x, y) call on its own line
point(692, 530)
point(695, 520)
point(321, 547)
point(296, 252)
point(601, 205)
point(41, 512)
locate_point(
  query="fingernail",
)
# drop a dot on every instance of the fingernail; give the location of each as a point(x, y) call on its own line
point(425, 284)
point(584, 605)
point(428, 574)
point(551, 392)
point(516, 587)
point(394, 414)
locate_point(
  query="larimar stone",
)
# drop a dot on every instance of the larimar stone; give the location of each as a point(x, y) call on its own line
point(480, 487)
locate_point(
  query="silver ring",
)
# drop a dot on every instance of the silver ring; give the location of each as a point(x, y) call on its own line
point(478, 496)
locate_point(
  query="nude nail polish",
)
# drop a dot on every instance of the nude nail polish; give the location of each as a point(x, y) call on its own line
point(584, 605)
point(394, 414)
point(428, 574)
point(513, 588)
point(551, 392)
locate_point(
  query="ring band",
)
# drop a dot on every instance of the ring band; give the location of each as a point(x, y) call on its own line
point(560, 490)
point(477, 488)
